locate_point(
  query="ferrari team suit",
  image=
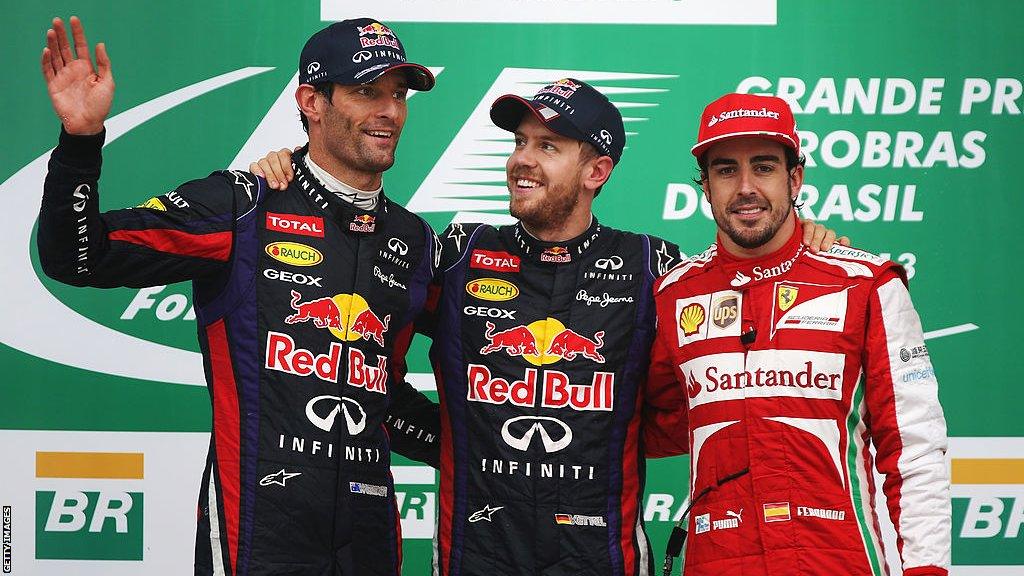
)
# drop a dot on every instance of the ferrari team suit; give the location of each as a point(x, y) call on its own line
point(305, 308)
point(784, 369)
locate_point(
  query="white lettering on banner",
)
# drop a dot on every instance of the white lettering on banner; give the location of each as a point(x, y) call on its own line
point(903, 148)
point(896, 95)
point(873, 203)
point(735, 12)
point(556, 390)
point(1005, 95)
point(170, 307)
point(766, 374)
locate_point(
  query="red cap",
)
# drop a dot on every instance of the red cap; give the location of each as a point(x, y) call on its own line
point(738, 115)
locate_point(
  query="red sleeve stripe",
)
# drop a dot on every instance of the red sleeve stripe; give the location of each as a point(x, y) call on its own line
point(226, 432)
point(215, 245)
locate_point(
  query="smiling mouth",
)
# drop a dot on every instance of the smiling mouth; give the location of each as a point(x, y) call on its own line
point(380, 134)
point(526, 184)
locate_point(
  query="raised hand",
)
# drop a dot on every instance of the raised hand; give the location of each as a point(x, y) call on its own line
point(81, 95)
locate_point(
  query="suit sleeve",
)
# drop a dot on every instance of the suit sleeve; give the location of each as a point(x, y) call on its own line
point(184, 234)
point(665, 416)
point(907, 428)
point(414, 421)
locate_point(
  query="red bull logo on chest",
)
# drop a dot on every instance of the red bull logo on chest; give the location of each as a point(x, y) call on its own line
point(543, 342)
point(347, 316)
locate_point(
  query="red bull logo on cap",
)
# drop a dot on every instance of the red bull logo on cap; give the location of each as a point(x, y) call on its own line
point(564, 88)
point(347, 316)
point(543, 342)
point(383, 36)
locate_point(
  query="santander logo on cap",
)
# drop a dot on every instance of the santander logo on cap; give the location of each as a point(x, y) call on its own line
point(751, 115)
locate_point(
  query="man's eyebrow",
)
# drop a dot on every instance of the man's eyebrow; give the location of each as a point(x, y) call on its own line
point(766, 158)
point(719, 161)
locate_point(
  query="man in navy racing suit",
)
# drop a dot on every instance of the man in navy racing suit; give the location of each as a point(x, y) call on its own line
point(304, 302)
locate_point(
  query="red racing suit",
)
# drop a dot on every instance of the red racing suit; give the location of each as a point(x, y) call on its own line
point(790, 366)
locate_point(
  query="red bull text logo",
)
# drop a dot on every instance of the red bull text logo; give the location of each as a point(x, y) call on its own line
point(555, 391)
point(363, 223)
point(543, 342)
point(283, 356)
point(347, 316)
point(384, 36)
point(557, 254)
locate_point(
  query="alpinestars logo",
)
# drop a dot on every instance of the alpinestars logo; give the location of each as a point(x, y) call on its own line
point(462, 180)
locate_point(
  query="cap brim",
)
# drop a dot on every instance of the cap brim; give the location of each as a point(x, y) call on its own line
point(507, 113)
point(701, 147)
point(420, 78)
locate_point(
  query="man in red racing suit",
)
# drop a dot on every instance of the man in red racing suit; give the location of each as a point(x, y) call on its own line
point(784, 367)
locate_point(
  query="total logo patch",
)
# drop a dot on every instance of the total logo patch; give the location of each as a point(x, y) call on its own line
point(803, 306)
point(294, 253)
point(497, 261)
point(708, 316)
point(492, 289)
point(295, 224)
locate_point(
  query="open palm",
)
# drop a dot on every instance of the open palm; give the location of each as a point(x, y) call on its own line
point(81, 95)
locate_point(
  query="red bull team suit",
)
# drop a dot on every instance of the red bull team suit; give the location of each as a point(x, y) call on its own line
point(790, 366)
point(541, 351)
point(304, 306)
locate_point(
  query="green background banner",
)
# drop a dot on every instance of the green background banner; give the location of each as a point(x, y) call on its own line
point(910, 113)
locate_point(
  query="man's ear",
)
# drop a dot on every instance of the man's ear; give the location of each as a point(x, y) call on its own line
point(309, 103)
point(598, 172)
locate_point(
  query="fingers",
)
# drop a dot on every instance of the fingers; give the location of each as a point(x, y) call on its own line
point(843, 241)
point(62, 41)
point(48, 72)
point(103, 68)
point(815, 236)
point(56, 60)
point(271, 163)
point(78, 33)
point(830, 239)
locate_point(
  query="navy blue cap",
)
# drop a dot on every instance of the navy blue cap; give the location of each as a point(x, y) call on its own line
point(358, 51)
point(571, 108)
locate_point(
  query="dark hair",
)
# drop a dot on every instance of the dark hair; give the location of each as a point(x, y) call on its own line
point(325, 88)
point(792, 161)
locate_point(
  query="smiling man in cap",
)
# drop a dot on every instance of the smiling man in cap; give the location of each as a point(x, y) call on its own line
point(793, 363)
point(304, 302)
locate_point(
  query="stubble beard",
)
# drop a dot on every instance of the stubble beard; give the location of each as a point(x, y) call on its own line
point(751, 238)
point(546, 213)
point(344, 142)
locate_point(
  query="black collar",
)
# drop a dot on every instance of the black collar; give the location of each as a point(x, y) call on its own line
point(349, 217)
point(556, 252)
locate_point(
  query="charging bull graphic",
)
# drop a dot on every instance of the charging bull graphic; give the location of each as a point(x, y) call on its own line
point(323, 312)
point(334, 314)
point(516, 341)
point(568, 344)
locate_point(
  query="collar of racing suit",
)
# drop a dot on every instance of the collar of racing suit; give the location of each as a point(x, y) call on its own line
point(351, 217)
point(365, 199)
point(557, 252)
point(746, 272)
